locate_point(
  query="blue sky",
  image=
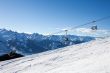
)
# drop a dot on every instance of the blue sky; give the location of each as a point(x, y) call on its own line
point(44, 16)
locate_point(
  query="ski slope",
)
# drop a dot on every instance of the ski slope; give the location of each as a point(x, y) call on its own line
point(89, 57)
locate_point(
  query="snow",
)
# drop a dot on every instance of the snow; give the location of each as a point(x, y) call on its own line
point(89, 57)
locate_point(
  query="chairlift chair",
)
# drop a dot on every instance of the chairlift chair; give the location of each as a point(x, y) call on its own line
point(94, 27)
point(66, 39)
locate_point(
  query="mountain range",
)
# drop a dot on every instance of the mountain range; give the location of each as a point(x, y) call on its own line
point(27, 44)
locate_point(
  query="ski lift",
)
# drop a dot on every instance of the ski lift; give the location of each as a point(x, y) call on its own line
point(94, 27)
point(66, 38)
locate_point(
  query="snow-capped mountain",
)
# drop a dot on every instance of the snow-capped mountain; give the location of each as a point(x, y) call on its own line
point(89, 57)
point(27, 44)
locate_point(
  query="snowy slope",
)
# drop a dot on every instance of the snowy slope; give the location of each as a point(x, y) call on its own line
point(89, 57)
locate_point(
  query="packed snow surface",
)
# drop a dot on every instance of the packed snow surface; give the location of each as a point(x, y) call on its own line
point(89, 57)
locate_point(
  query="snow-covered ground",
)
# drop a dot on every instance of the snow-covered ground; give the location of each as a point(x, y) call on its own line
point(89, 57)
